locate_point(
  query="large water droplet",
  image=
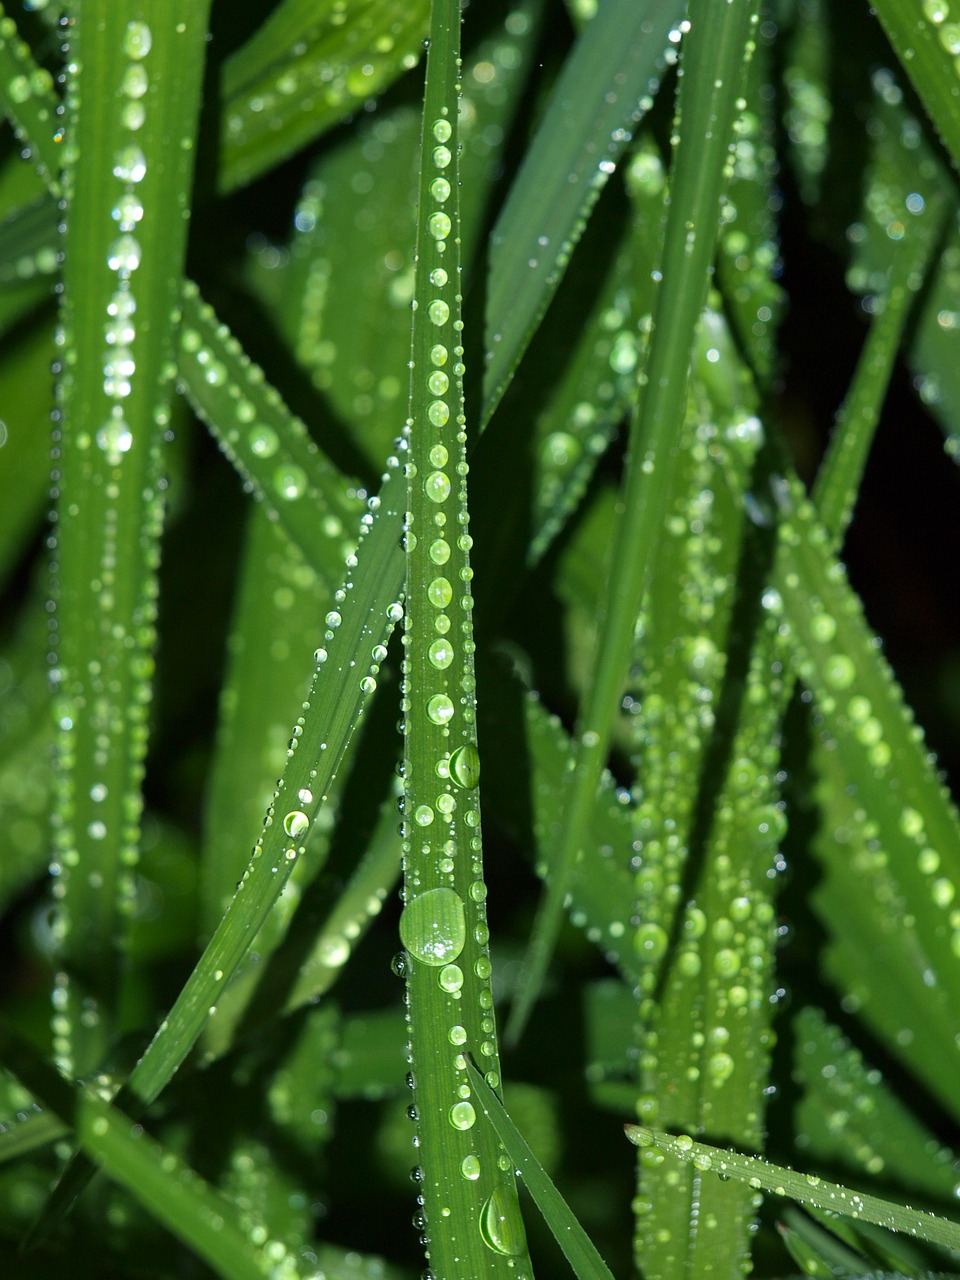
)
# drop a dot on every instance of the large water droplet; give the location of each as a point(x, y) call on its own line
point(433, 927)
point(465, 766)
point(501, 1225)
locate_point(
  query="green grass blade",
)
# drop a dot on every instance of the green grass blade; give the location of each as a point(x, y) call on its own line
point(470, 1206)
point(305, 70)
point(127, 183)
point(29, 102)
point(593, 110)
point(849, 1112)
point(716, 48)
point(927, 44)
point(805, 1188)
point(177, 1196)
point(577, 1247)
point(838, 479)
point(315, 506)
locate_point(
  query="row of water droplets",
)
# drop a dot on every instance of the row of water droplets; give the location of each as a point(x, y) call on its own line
point(443, 924)
point(90, 813)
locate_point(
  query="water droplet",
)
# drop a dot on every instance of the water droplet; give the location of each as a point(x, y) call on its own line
point(129, 164)
point(137, 40)
point(442, 157)
point(438, 311)
point(439, 225)
point(462, 1115)
point(470, 1168)
point(439, 593)
point(440, 654)
point(501, 1225)
point(442, 130)
point(437, 486)
point(296, 824)
point(290, 481)
point(135, 82)
point(465, 766)
point(433, 928)
point(439, 551)
point(839, 671)
point(440, 709)
point(263, 441)
point(451, 975)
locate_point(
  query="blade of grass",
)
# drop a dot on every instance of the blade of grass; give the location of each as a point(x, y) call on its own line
point(172, 1192)
point(716, 48)
point(28, 100)
point(577, 1247)
point(470, 1208)
point(805, 1188)
point(126, 184)
point(927, 46)
point(607, 83)
point(305, 69)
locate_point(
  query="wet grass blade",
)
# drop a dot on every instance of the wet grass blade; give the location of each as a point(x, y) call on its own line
point(471, 1213)
point(577, 1247)
point(30, 103)
point(303, 71)
point(315, 505)
point(126, 184)
point(805, 1188)
point(716, 48)
point(927, 44)
point(606, 84)
point(174, 1194)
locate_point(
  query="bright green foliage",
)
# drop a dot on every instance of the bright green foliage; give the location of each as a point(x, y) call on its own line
point(428, 432)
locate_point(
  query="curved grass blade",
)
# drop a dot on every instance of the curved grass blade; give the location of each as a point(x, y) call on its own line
point(342, 297)
point(29, 101)
point(126, 184)
point(577, 1247)
point(881, 751)
point(927, 45)
point(838, 479)
point(28, 261)
point(312, 502)
point(470, 1206)
point(716, 48)
point(305, 70)
point(805, 1188)
point(330, 714)
point(606, 84)
point(849, 1112)
point(173, 1193)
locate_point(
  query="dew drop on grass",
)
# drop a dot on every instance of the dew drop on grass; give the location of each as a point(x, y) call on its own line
point(465, 766)
point(501, 1226)
point(451, 976)
point(137, 40)
point(440, 709)
point(296, 824)
point(433, 929)
point(470, 1168)
point(462, 1115)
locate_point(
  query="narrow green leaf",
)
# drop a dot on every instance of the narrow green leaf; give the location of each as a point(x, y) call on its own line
point(838, 479)
point(126, 184)
point(715, 48)
point(305, 70)
point(927, 44)
point(315, 506)
point(607, 83)
point(29, 101)
point(851, 1113)
point(470, 1206)
point(805, 1188)
point(577, 1247)
point(171, 1191)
